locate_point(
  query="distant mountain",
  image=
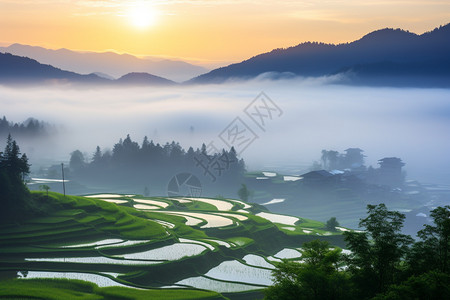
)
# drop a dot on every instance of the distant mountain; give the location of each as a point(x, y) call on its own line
point(103, 75)
point(387, 56)
point(143, 79)
point(23, 70)
point(17, 70)
point(110, 63)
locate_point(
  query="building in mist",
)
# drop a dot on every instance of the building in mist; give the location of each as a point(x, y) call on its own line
point(318, 178)
point(354, 158)
point(390, 172)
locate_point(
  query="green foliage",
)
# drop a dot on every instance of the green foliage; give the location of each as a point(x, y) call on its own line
point(47, 289)
point(378, 252)
point(430, 285)
point(163, 294)
point(428, 261)
point(317, 277)
point(434, 250)
point(44, 187)
point(310, 223)
point(241, 241)
point(332, 223)
point(201, 206)
point(382, 264)
point(79, 218)
point(56, 289)
point(14, 195)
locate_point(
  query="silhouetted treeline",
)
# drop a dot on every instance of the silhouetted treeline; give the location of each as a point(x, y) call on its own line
point(352, 159)
point(29, 128)
point(14, 195)
point(131, 165)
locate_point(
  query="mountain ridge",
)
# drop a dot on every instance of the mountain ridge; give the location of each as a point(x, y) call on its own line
point(389, 57)
point(24, 70)
point(140, 78)
point(110, 63)
point(314, 59)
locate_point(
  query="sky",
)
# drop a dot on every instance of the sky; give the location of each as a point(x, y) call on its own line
point(207, 30)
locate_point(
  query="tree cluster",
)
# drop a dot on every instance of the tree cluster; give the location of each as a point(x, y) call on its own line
point(383, 263)
point(332, 160)
point(317, 277)
point(29, 128)
point(153, 165)
point(14, 195)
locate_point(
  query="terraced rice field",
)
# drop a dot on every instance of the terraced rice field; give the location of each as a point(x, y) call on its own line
point(127, 240)
point(212, 220)
point(145, 206)
point(277, 218)
point(236, 271)
point(257, 261)
point(288, 254)
point(201, 282)
point(95, 260)
point(160, 204)
point(170, 253)
point(219, 204)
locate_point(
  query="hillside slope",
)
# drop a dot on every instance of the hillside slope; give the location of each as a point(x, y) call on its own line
point(383, 53)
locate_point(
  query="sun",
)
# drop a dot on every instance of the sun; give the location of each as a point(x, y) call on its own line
point(142, 15)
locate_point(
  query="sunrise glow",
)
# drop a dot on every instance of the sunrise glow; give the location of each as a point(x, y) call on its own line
point(216, 30)
point(142, 15)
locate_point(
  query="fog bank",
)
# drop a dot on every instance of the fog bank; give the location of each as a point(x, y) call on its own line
point(412, 124)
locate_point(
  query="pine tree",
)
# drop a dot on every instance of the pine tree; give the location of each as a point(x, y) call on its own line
point(14, 195)
point(96, 159)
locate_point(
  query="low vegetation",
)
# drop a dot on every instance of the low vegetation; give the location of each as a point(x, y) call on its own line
point(75, 289)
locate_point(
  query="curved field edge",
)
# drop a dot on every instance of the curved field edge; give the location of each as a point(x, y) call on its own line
point(77, 289)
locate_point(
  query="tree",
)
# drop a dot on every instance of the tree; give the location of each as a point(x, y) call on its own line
point(439, 236)
point(317, 277)
point(17, 166)
point(433, 251)
point(430, 285)
point(243, 193)
point(44, 187)
point(145, 143)
point(316, 166)
point(332, 223)
point(77, 161)
point(146, 191)
point(378, 252)
point(14, 195)
point(97, 157)
point(330, 159)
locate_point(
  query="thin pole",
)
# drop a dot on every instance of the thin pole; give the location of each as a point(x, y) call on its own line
point(64, 182)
